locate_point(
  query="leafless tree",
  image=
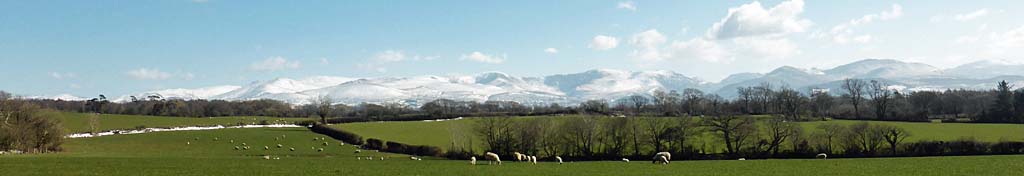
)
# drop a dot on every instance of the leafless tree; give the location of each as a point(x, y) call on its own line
point(855, 91)
point(324, 105)
point(779, 130)
point(881, 97)
point(734, 130)
point(893, 135)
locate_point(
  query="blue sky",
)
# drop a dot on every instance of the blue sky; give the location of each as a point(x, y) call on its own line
point(118, 47)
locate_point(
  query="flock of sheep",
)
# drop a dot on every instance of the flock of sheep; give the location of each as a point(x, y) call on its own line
point(659, 158)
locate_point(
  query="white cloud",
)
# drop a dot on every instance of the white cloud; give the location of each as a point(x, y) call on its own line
point(766, 48)
point(148, 74)
point(188, 76)
point(1009, 43)
point(602, 42)
point(844, 33)
point(324, 61)
point(66, 75)
point(424, 58)
point(646, 45)
point(274, 64)
point(971, 16)
point(699, 48)
point(390, 56)
point(551, 50)
point(629, 5)
point(484, 58)
point(754, 20)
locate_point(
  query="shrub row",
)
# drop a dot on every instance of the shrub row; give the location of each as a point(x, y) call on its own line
point(345, 136)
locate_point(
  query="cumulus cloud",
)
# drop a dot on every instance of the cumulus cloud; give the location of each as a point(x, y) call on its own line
point(844, 33)
point(700, 48)
point(602, 42)
point(629, 5)
point(65, 75)
point(484, 58)
point(390, 56)
point(754, 20)
point(148, 74)
point(274, 64)
point(551, 50)
point(646, 45)
point(1008, 43)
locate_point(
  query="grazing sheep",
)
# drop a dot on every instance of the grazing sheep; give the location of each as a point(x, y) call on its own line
point(277, 139)
point(320, 149)
point(491, 157)
point(519, 156)
point(657, 157)
point(266, 148)
point(232, 141)
point(472, 160)
point(279, 145)
point(266, 157)
point(277, 158)
point(314, 139)
point(413, 158)
point(216, 139)
point(245, 148)
point(625, 160)
point(821, 156)
point(533, 159)
point(559, 159)
point(292, 149)
point(243, 144)
point(359, 151)
point(359, 158)
point(188, 143)
point(236, 148)
point(341, 143)
point(742, 159)
point(325, 144)
point(662, 159)
point(382, 158)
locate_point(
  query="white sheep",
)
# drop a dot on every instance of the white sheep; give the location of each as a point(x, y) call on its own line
point(232, 141)
point(625, 160)
point(266, 157)
point(533, 159)
point(188, 143)
point(519, 156)
point(292, 149)
point(359, 151)
point(315, 139)
point(413, 158)
point(243, 144)
point(279, 145)
point(472, 160)
point(325, 144)
point(742, 159)
point(320, 149)
point(341, 143)
point(821, 156)
point(236, 148)
point(382, 158)
point(663, 157)
point(492, 157)
point(559, 159)
point(266, 148)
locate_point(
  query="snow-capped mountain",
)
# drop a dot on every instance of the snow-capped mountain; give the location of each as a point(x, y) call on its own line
point(605, 84)
point(64, 97)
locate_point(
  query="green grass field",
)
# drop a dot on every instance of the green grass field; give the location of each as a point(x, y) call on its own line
point(79, 122)
point(439, 133)
point(166, 153)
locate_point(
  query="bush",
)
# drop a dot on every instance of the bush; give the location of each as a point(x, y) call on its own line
point(28, 128)
point(376, 144)
point(342, 135)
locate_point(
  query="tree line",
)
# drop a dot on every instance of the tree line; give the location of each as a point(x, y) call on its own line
point(26, 127)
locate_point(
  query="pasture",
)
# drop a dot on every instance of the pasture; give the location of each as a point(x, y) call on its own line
point(440, 133)
point(166, 153)
point(79, 122)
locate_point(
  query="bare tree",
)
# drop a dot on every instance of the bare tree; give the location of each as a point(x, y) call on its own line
point(827, 135)
point(665, 102)
point(734, 130)
point(324, 105)
point(638, 102)
point(855, 90)
point(791, 103)
point(657, 131)
point(822, 102)
point(691, 99)
point(881, 97)
point(863, 137)
point(779, 130)
point(894, 136)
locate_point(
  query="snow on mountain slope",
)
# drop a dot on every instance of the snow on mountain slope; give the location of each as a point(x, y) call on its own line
point(882, 68)
point(987, 69)
point(65, 97)
point(612, 84)
point(273, 88)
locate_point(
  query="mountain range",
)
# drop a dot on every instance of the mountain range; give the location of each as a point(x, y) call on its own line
point(592, 84)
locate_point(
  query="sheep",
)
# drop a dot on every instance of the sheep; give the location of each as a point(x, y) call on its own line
point(358, 151)
point(662, 159)
point(236, 148)
point(266, 157)
point(472, 160)
point(232, 141)
point(625, 160)
point(216, 139)
point(320, 149)
point(382, 158)
point(279, 145)
point(243, 144)
point(821, 156)
point(292, 149)
point(658, 157)
point(413, 158)
point(492, 157)
point(359, 158)
point(742, 159)
point(341, 143)
point(559, 159)
point(325, 144)
point(533, 159)
point(188, 143)
point(315, 139)
point(518, 156)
